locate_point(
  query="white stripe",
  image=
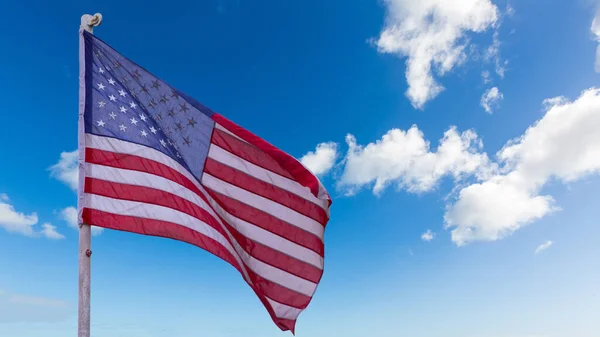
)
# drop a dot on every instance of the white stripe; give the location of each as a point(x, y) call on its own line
point(247, 229)
point(227, 158)
point(273, 208)
point(222, 128)
point(150, 211)
point(284, 311)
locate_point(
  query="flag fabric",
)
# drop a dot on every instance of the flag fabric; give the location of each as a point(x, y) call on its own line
point(155, 161)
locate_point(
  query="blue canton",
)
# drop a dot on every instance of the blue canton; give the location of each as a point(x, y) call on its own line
point(126, 102)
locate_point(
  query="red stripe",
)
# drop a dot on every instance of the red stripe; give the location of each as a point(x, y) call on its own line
point(242, 211)
point(268, 222)
point(247, 152)
point(135, 163)
point(180, 233)
point(264, 189)
point(287, 162)
point(148, 195)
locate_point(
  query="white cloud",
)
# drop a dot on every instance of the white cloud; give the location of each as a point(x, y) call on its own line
point(69, 214)
point(543, 246)
point(66, 170)
point(596, 31)
point(490, 99)
point(404, 158)
point(494, 209)
point(428, 236)
point(322, 159)
point(21, 223)
point(50, 232)
point(4, 197)
point(431, 34)
point(17, 222)
point(564, 145)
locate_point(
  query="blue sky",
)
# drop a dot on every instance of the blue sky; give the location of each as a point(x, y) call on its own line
point(488, 231)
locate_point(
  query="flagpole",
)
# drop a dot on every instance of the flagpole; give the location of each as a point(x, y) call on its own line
point(88, 22)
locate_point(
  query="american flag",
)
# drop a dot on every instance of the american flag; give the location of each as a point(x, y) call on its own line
point(154, 161)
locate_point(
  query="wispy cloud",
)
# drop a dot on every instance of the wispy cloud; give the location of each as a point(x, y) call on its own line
point(26, 308)
point(428, 236)
point(595, 28)
point(543, 246)
point(37, 301)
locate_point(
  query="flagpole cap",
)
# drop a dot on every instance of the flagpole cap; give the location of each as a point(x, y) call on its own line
point(88, 22)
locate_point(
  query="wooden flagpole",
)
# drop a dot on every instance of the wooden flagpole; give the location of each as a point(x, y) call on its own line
point(88, 22)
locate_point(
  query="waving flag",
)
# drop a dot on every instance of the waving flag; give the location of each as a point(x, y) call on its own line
point(157, 162)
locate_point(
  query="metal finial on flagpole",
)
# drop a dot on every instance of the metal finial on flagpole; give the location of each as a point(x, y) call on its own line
point(88, 22)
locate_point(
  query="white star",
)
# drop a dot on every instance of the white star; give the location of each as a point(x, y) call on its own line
point(111, 81)
point(144, 133)
point(163, 143)
point(100, 70)
point(143, 117)
point(100, 123)
point(153, 130)
point(112, 98)
point(122, 127)
point(100, 86)
point(133, 105)
point(122, 92)
point(134, 121)
point(178, 156)
point(112, 115)
point(123, 109)
point(101, 104)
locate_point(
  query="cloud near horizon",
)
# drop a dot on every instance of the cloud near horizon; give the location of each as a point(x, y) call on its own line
point(30, 309)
